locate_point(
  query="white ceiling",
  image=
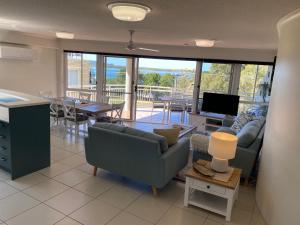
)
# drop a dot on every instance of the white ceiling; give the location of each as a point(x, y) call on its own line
point(233, 23)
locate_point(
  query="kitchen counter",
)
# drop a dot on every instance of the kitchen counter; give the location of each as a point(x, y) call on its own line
point(24, 133)
point(13, 99)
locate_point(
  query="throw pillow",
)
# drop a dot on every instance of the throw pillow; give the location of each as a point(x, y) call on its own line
point(171, 134)
point(241, 120)
point(248, 134)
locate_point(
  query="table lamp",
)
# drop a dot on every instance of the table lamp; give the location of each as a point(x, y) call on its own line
point(222, 146)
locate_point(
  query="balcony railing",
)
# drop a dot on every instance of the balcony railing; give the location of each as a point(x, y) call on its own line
point(116, 92)
point(145, 93)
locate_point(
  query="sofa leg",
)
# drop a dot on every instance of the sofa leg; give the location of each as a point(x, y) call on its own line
point(95, 171)
point(154, 190)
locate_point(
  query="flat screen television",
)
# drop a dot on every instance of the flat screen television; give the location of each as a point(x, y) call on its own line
point(220, 103)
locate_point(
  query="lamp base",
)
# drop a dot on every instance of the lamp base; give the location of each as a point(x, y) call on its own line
point(219, 165)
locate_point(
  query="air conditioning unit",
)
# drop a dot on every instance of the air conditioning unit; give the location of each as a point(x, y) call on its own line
point(15, 52)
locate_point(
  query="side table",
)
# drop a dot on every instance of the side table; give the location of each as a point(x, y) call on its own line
point(213, 195)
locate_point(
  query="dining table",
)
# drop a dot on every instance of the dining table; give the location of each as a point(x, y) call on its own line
point(90, 108)
point(94, 108)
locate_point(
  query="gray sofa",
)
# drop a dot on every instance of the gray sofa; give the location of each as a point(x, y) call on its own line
point(135, 154)
point(249, 144)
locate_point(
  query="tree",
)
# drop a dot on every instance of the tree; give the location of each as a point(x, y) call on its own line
point(216, 79)
point(152, 79)
point(167, 80)
point(185, 83)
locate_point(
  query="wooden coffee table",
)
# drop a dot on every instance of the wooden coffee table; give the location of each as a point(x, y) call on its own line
point(213, 195)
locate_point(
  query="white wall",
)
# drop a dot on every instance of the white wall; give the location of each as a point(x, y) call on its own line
point(30, 76)
point(279, 175)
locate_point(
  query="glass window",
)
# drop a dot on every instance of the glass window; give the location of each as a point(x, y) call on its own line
point(74, 70)
point(74, 78)
point(89, 71)
point(81, 71)
point(251, 80)
point(215, 78)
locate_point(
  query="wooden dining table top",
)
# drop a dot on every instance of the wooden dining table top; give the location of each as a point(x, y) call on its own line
point(94, 108)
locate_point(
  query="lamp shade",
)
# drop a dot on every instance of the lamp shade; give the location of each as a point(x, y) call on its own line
point(222, 145)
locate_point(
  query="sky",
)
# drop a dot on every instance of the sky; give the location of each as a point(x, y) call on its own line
point(153, 63)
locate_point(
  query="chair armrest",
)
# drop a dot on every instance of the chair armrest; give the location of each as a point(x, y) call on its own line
point(176, 158)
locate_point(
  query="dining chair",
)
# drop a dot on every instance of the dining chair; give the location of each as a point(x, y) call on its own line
point(72, 116)
point(56, 110)
point(178, 105)
point(85, 96)
point(115, 114)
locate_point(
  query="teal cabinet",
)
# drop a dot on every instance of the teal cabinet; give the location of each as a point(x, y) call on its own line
point(24, 139)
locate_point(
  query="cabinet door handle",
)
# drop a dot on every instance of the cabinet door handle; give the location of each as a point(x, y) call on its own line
point(3, 148)
point(208, 187)
point(3, 159)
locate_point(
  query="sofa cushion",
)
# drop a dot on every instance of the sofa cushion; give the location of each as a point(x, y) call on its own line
point(171, 134)
point(248, 133)
point(227, 130)
point(150, 136)
point(110, 126)
point(241, 120)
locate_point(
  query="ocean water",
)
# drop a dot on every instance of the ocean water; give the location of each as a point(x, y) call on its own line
point(112, 72)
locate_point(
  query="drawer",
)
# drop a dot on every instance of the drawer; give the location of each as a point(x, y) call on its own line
point(4, 161)
point(4, 138)
point(4, 127)
point(207, 187)
point(4, 150)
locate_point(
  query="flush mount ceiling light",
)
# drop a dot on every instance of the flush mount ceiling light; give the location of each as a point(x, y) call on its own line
point(64, 35)
point(131, 12)
point(205, 43)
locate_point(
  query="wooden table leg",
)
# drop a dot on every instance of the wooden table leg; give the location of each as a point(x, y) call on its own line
point(154, 190)
point(95, 171)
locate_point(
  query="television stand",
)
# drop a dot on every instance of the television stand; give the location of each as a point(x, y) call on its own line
point(208, 122)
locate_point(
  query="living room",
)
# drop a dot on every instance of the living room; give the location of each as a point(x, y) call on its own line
point(126, 113)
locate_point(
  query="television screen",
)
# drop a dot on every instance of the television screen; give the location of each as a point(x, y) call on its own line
point(220, 103)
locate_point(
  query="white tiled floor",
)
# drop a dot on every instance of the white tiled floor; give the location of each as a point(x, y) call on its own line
point(68, 194)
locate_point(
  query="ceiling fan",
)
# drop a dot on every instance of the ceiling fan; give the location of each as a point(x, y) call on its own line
point(131, 46)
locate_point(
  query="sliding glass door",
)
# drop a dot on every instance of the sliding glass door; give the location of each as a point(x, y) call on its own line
point(146, 84)
point(118, 77)
point(160, 79)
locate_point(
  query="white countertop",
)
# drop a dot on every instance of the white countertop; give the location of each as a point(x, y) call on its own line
point(21, 99)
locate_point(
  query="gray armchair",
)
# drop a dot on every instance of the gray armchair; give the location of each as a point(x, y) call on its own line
point(250, 140)
point(135, 154)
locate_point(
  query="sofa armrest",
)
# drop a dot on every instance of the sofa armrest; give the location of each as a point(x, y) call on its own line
point(227, 122)
point(176, 158)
